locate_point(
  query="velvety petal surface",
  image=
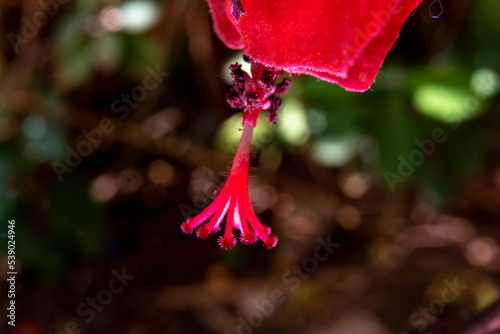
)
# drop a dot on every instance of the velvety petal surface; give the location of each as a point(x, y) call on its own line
point(364, 68)
point(335, 40)
point(223, 25)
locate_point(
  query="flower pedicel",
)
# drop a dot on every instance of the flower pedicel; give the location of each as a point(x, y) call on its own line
point(344, 42)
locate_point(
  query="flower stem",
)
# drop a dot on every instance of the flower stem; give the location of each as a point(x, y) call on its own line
point(242, 157)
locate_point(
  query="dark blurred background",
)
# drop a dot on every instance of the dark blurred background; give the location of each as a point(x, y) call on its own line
point(114, 129)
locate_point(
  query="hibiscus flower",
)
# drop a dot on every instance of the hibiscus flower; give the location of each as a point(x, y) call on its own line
point(340, 41)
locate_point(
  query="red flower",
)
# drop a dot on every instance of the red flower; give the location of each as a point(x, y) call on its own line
point(340, 41)
point(233, 199)
point(253, 94)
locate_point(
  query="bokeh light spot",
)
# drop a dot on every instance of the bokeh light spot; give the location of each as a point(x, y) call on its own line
point(161, 172)
point(130, 180)
point(445, 103)
point(34, 127)
point(485, 82)
point(111, 18)
point(334, 151)
point(104, 188)
point(139, 16)
point(292, 124)
point(355, 185)
point(481, 251)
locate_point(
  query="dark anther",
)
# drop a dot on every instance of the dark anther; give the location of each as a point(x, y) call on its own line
point(259, 91)
point(282, 87)
point(247, 58)
point(236, 71)
point(238, 76)
point(272, 117)
point(276, 104)
point(253, 100)
point(267, 78)
point(234, 100)
point(272, 113)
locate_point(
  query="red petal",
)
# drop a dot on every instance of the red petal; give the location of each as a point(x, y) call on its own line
point(335, 40)
point(223, 24)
